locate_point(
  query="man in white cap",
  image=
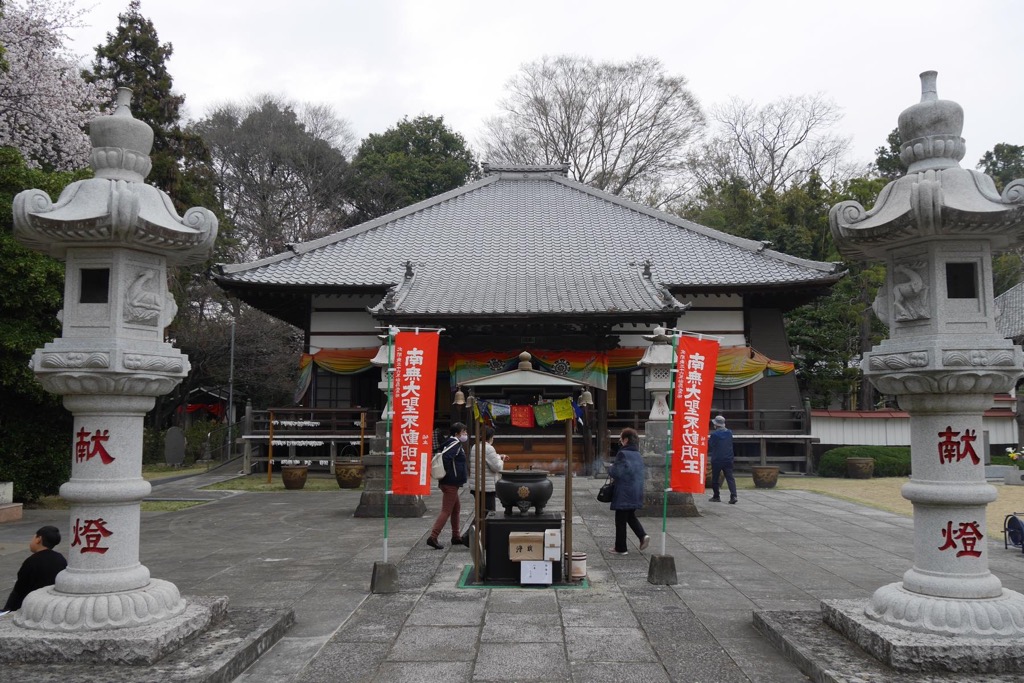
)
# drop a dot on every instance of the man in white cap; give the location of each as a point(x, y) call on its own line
point(721, 454)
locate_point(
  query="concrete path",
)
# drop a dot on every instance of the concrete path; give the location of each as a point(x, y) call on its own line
point(774, 550)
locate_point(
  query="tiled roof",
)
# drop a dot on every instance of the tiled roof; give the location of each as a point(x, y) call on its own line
point(1010, 312)
point(529, 242)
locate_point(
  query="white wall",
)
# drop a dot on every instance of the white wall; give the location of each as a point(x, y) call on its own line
point(892, 428)
point(342, 322)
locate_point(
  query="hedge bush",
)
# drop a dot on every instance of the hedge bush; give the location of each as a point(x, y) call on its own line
point(890, 461)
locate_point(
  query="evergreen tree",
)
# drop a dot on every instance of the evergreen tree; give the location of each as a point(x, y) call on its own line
point(34, 450)
point(411, 161)
point(133, 57)
point(888, 164)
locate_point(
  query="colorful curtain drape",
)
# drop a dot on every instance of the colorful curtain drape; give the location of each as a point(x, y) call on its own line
point(338, 361)
point(740, 366)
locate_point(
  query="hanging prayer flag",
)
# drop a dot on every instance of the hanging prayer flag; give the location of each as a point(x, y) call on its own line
point(691, 406)
point(522, 416)
point(500, 412)
point(545, 413)
point(412, 402)
point(563, 409)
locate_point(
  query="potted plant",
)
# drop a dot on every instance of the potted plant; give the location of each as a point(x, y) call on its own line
point(349, 474)
point(765, 476)
point(860, 468)
point(1015, 477)
point(350, 470)
point(294, 476)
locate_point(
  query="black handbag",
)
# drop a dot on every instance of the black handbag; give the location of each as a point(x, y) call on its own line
point(605, 494)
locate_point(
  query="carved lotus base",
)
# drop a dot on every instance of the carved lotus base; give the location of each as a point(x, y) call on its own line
point(49, 610)
point(998, 617)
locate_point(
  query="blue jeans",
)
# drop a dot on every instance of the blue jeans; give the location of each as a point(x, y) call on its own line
point(716, 470)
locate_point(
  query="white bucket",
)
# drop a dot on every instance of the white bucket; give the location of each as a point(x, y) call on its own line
point(579, 564)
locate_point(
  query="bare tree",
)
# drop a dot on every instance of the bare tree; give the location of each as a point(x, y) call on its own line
point(774, 146)
point(622, 128)
point(278, 171)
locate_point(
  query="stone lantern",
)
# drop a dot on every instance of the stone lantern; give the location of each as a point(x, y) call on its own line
point(116, 235)
point(936, 229)
point(657, 361)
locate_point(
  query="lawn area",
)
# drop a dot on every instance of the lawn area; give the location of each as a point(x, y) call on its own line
point(151, 472)
point(58, 503)
point(884, 494)
point(257, 483)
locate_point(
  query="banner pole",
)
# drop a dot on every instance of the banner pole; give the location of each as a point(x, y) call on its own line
point(387, 441)
point(673, 378)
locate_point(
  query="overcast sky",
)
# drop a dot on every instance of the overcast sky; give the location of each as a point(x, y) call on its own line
point(376, 61)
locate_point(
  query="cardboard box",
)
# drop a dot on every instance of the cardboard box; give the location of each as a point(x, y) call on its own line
point(552, 538)
point(533, 572)
point(525, 546)
point(552, 554)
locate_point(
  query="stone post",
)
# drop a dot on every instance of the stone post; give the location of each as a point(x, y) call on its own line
point(371, 501)
point(936, 229)
point(117, 235)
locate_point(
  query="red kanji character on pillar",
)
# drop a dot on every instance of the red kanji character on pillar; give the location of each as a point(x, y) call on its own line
point(948, 448)
point(97, 446)
point(83, 451)
point(967, 533)
point(93, 531)
point(82, 445)
point(966, 448)
point(947, 534)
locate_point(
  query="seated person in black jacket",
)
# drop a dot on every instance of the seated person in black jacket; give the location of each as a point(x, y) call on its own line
point(41, 567)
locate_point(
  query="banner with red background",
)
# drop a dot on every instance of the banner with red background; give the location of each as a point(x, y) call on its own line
point(694, 388)
point(412, 402)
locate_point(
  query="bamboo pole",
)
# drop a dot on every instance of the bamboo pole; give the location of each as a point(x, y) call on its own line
point(270, 447)
point(568, 500)
point(478, 490)
point(362, 435)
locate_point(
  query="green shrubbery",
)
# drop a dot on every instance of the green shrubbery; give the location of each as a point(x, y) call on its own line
point(890, 461)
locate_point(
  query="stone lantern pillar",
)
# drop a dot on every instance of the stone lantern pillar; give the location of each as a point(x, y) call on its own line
point(371, 501)
point(936, 229)
point(657, 362)
point(116, 235)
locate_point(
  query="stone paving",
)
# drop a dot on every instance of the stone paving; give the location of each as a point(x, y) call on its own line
point(775, 550)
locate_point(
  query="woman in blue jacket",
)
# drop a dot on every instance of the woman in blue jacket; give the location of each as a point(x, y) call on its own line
point(628, 496)
point(454, 459)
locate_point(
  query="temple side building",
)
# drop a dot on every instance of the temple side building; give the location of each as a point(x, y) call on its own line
point(526, 259)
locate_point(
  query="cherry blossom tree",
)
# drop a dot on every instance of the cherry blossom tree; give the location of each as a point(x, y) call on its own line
point(45, 103)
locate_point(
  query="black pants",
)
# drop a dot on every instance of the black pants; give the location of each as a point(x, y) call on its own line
point(622, 518)
point(716, 470)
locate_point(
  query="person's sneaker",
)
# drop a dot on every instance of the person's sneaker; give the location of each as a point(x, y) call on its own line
point(732, 501)
point(460, 540)
point(714, 499)
point(644, 543)
point(432, 542)
point(613, 551)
